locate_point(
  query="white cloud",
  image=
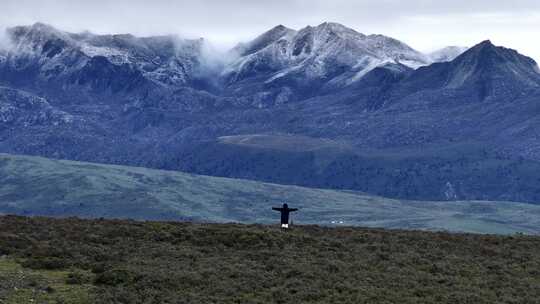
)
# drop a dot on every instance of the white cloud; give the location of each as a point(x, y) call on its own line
point(5, 42)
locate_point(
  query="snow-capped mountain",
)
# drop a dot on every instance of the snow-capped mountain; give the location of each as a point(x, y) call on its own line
point(329, 51)
point(446, 54)
point(163, 60)
point(327, 56)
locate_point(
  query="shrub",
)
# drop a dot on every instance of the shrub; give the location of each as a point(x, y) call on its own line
point(114, 277)
point(47, 263)
point(78, 278)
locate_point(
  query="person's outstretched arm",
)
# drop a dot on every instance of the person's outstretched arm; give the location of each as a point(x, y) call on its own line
point(293, 209)
point(277, 209)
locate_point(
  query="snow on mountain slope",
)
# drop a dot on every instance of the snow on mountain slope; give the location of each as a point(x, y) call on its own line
point(327, 55)
point(322, 52)
point(164, 60)
point(448, 53)
point(21, 109)
point(264, 40)
point(167, 60)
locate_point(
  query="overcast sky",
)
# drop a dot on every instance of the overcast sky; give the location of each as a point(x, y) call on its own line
point(423, 24)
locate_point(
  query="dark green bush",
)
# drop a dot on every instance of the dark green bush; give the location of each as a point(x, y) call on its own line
point(47, 263)
point(114, 277)
point(78, 278)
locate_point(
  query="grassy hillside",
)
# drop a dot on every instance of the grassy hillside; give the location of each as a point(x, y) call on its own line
point(39, 186)
point(101, 261)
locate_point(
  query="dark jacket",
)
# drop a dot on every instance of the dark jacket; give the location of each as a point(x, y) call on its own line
point(285, 210)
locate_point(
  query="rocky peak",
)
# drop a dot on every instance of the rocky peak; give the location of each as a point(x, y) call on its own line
point(337, 29)
point(486, 56)
point(37, 33)
point(264, 40)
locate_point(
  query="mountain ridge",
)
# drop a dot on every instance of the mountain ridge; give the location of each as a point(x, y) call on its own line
point(323, 51)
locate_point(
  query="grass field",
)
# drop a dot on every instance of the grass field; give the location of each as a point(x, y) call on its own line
point(112, 261)
point(39, 186)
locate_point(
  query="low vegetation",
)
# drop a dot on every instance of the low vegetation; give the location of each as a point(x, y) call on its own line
point(113, 261)
point(35, 186)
